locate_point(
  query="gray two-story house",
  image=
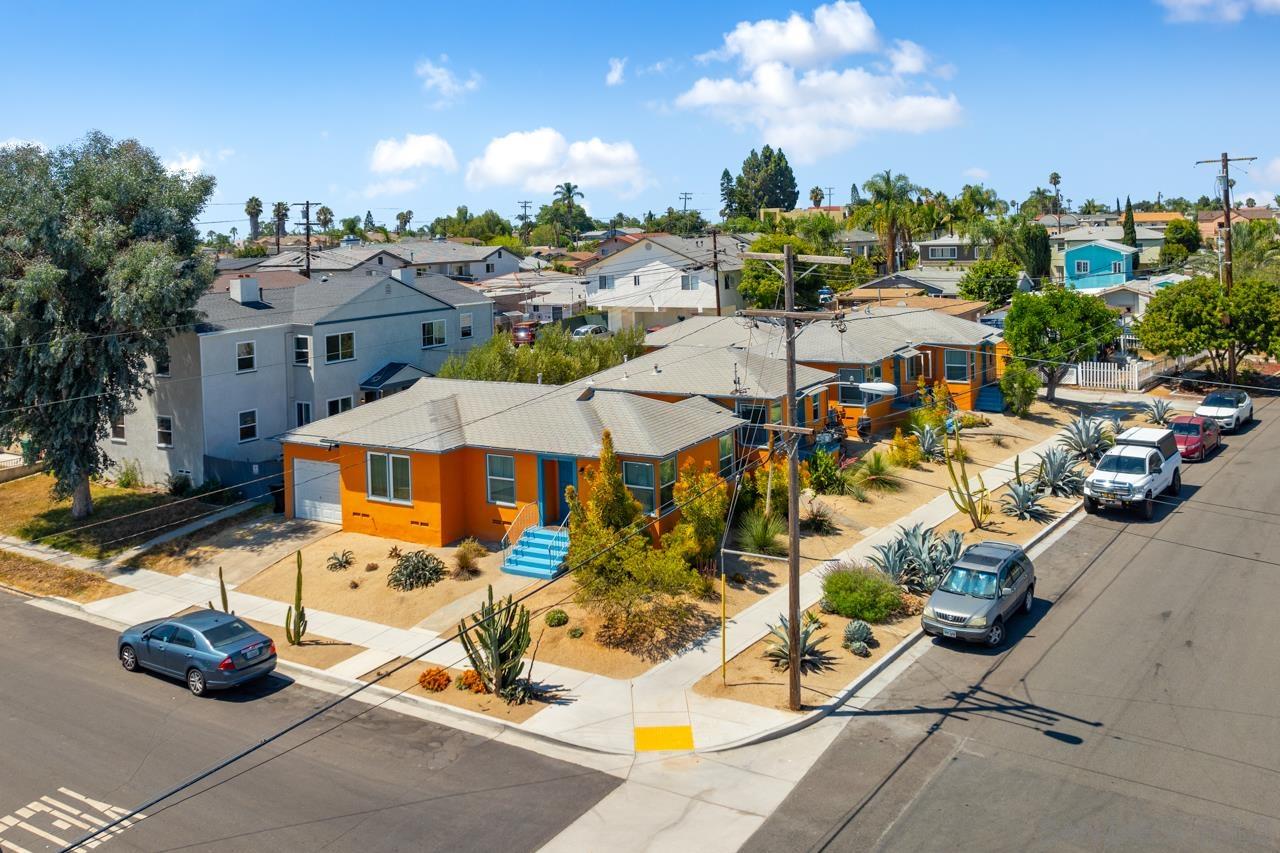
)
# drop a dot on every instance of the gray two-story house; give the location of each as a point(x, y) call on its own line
point(265, 360)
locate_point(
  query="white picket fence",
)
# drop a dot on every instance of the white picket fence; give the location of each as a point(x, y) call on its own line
point(1134, 376)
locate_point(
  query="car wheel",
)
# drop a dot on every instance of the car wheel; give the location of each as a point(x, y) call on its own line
point(195, 682)
point(1090, 505)
point(128, 658)
point(1148, 508)
point(1175, 488)
point(995, 636)
point(1029, 600)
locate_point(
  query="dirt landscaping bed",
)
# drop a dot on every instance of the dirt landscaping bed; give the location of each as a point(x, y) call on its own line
point(121, 518)
point(39, 578)
point(406, 680)
point(314, 651)
point(372, 599)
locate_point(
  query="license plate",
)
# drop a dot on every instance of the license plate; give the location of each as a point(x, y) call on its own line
point(949, 632)
point(1107, 496)
point(252, 653)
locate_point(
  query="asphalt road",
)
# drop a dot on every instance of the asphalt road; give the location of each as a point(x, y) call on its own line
point(79, 730)
point(1136, 708)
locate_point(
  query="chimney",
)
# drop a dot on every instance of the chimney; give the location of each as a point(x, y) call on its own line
point(245, 290)
point(404, 275)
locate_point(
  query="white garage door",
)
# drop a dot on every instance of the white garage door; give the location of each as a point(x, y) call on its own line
point(315, 491)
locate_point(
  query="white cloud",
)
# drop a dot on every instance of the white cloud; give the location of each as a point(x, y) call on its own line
point(391, 186)
point(662, 66)
point(1270, 172)
point(414, 151)
point(1219, 11)
point(447, 86)
point(819, 112)
point(537, 160)
point(908, 57)
point(977, 173)
point(836, 29)
point(15, 142)
point(616, 69)
point(226, 153)
point(186, 164)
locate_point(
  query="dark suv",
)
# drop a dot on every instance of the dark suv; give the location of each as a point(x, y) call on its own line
point(991, 582)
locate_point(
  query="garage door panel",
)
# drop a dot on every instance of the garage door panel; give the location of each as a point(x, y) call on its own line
point(317, 491)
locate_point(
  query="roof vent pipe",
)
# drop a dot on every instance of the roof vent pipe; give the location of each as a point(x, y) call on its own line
point(539, 378)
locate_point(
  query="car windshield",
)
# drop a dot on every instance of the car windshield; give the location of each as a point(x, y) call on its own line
point(1123, 465)
point(1220, 401)
point(1186, 428)
point(972, 582)
point(227, 632)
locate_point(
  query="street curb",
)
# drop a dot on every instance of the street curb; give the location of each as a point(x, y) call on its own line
point(851, 689)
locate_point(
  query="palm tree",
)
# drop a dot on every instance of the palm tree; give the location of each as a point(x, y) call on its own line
point(1091, 206)
point(280, 212)
point(403, 218)
point(888, 211)
point(253, 207)
point(566, 193)
point(324, 217)
point(234, 233)
point(1055, 180)
point(816, 196)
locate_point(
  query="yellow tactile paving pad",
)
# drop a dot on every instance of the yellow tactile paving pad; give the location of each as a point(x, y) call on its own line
point(663, 738)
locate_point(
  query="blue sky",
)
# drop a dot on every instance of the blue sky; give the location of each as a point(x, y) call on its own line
point(426, 106)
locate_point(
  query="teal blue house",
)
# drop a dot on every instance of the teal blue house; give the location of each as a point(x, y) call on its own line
point(1102, 263)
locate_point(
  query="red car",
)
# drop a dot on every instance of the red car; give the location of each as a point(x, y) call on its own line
point(524, 333)
point(1196, 437)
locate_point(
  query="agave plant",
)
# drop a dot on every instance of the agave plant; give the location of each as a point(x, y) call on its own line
point(892, 559)
point(1159, 411)
point(1087, 439)
point(857, 631)
point(1059, 474)
point(930, 441)
point(918, 558)
point(947, 549)
point(813, 658)
point(1022, 501)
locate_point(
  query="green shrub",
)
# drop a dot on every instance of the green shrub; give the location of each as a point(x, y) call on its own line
point(876, 473)
point(824, 474)
point(575, 632)
point(858, 593)
point(1019, 384)
point(857, 631)
point(340, 562)
point(178, 485)
point(761, 533)
point(415, 570)
point(556, 618)
point(130, 476)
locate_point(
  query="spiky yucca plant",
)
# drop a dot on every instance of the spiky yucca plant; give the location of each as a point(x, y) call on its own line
point(812, 657)
point(1022, 501)
point(1159, 411)
point(1059, 474)
point(876, 473)
point(1087, 439)
point(930, 439)
point(495, 644)
point(761, 532)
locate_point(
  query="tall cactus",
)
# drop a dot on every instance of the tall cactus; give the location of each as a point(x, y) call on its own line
point(495, 644)
point(295, 620)
point(222, 590)
point(967, 499)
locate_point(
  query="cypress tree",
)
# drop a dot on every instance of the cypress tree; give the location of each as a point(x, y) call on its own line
point(1130, 237)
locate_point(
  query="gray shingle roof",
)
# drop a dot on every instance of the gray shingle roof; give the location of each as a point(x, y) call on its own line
point(437, 415)
point(1088, 234)
point(707, 372)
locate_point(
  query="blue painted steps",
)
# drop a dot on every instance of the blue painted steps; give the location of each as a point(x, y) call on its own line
point(990, 399)
point(539, 553)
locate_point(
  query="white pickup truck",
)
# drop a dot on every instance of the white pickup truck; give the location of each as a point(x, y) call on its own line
point(1144, 464)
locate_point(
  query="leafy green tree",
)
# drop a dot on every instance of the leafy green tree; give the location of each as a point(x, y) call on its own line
point(761, 286)
point(766, 180)
point(1130, 237)
point(511, 244)
point(1188, 317)
point(1055, 328)
point(99, 265)
point(369, 224)
point(1173, 255)
point(682, 222)
point(1031, 247)
point(324, 217)
point(251, 250)
point(703, 498)
point(1091, 207)
point(1185, 233)
point(558, 357)
point(565, 194)
point(1038, 202)
point(819, 230)
point(544, 235)
point(993, 280)
point(350, 225)
point(728, 197)
point(253, 208)
point(887, 212)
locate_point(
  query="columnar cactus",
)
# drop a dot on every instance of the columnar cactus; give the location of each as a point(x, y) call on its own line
point(295, 620)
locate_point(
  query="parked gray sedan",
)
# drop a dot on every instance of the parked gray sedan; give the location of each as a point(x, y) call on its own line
point(991, 582)
point(209, 649)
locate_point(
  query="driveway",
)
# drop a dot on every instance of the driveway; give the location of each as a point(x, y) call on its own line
point(1134, 709)
point(245, 550)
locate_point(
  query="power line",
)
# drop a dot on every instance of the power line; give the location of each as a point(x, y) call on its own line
point(1227, 276)
point(685, 198)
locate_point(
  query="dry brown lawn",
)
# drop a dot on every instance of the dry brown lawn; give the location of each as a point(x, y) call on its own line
point(36, 577)
point(406, 680)
point(182, 554)
point(372, 599)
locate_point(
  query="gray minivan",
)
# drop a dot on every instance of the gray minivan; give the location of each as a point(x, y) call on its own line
point(991, 582)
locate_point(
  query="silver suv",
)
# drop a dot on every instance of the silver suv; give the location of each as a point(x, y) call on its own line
point(991, 582)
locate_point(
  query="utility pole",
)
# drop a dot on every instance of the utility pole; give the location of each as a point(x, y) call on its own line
point(684, 202)
point(1225, 177)
point(830, 197)
point(792, 432)
point(715, 268)
point(306, 229)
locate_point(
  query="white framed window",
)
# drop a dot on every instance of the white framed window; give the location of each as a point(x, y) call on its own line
point(638, 478)
point(338, 405)
point(302, 349)
point(434, 334)
point(688, 282)
point(1082, 267)
point(339, 347)
point(162, 362)
point(725, 447)
point(1117, 267)
point(302, 413)
point(465, 325)
point(389, 478)
point(500, 479)
point(942, 253)
point(488, 267)
point(164, 431)
point(246, 356)
point(605, 282)
point(955, 365)
point(248, 425)
point(117, 430)
point(667, 484)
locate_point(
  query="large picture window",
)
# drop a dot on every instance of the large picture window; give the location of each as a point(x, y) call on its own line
point(755, 415)
point(339, 347)
point(956, 365)
point(389, 478)
point(500, 473)
point(638, 478)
